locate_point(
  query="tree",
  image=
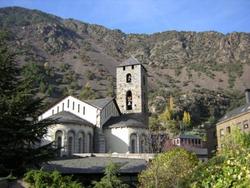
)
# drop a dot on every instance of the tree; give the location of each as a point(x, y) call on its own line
point(110, 180)
point(158, 134)
point(168, 169)
point(19, 109)
point(186, 120)
point(167, 118)
point(87, 93)
point(231, 166)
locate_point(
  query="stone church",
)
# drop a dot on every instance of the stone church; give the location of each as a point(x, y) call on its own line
point(105, 125)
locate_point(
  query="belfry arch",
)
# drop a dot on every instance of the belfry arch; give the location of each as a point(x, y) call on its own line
point(129, 101)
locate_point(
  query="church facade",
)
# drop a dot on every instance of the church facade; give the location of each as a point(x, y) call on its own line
point(104, 125)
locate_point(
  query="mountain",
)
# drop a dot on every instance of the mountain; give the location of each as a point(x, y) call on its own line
point(205, 69)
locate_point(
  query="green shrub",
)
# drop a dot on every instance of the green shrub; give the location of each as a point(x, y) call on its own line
point(42, 179)
point(229, 168)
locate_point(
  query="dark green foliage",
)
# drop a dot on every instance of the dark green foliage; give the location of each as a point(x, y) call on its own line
point(64, 67)
point(90, 75)
point(19, 130)
point(231, 80)
point(49, 91)
point(87, 93)
point(42, 87)
point(42, 179)
point(110, 89)
point(110, 180)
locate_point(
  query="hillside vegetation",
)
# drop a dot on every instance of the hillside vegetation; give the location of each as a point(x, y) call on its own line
point(206, 72)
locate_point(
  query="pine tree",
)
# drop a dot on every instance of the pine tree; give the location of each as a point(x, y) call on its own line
point(19, 109)
point(110, 180)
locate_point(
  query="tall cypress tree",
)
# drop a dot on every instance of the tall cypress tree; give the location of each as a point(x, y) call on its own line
point(20, 132)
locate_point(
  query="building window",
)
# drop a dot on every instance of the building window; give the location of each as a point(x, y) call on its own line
point(129, 100)
point(68, 103)
point(58, 141)
point(133, 142)
point(128, 78)
point(229, 130)
point(83, 110)
point(81, 142)
point(90, 142)
point(196, 141)
point(143, 144)
point(57, 109)
point(70, 145)
point(132, 66)
point(124, 68)
point(71, 142)
point(53, 112)
point(80, 145)
point(62, 106)
point(245, 124)
point(192, 141)
point(222, 132)
point(78, 107)
point(73, 107)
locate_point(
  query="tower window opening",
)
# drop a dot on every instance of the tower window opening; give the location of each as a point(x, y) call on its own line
point(123, 67)
point(132, 66)
point(128, 78)
point(129, 100)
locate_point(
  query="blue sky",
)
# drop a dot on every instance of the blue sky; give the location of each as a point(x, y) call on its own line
point(149, 16)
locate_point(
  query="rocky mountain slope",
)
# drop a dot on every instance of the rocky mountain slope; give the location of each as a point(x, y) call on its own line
point(210, 66)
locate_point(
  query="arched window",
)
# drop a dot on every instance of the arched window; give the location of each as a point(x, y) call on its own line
point(58, 141)
point(89, 143)
point(129, 100)
point(133, 141)
point(71, 143)
point(80, 145)
point(143, 143)
point(128, 78)
point(81, 142)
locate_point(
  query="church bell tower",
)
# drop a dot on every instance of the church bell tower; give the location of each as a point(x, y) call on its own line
point(131, 86)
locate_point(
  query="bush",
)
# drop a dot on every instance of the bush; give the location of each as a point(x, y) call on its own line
point(231, 166)
point(42, 179)
point(168, 169)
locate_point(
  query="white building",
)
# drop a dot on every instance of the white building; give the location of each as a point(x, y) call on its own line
point(104, 125)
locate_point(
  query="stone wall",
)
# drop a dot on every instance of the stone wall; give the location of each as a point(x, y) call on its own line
point(138, 87)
